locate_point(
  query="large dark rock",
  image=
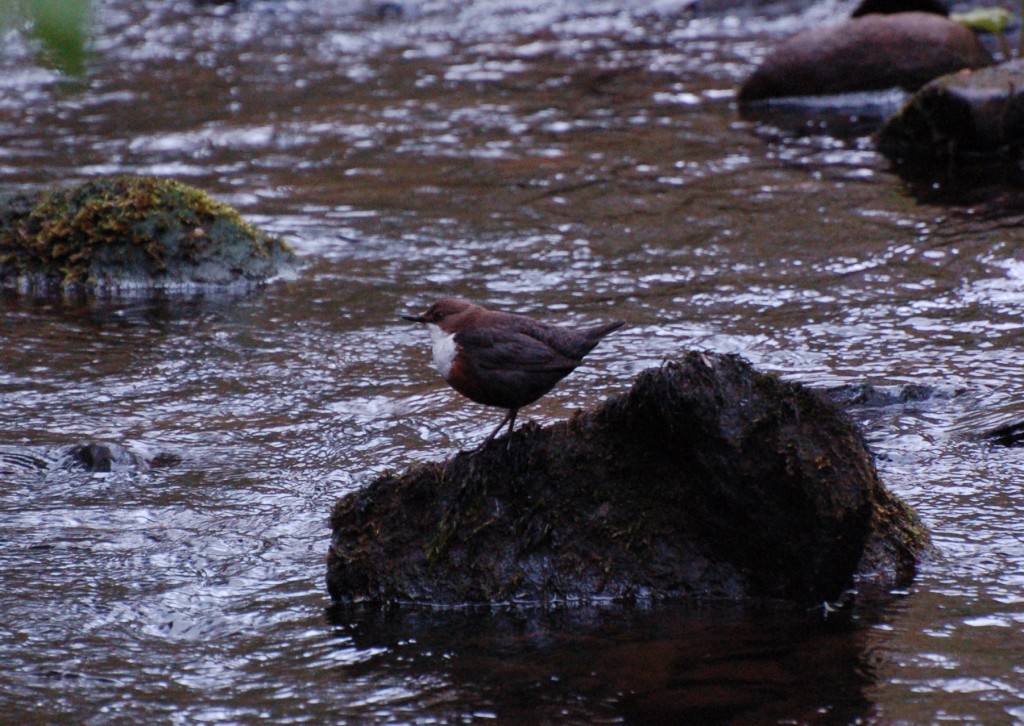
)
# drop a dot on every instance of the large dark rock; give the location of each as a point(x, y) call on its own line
point(961, 117)
point(130, 231)
point(873, 52)
point(706, 480)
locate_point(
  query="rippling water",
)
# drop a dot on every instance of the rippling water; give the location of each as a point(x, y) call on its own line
point(577, 161)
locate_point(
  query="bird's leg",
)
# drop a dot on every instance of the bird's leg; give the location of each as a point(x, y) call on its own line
point(502, 424)
point(511, 420)
point(510, 417)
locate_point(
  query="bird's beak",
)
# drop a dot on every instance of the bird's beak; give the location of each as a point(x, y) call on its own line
point(413, 318)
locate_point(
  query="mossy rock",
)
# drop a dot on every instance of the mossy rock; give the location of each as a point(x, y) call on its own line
point(707, 480)
point(130, 231)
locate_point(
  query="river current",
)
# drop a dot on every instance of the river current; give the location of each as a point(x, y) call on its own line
point(577, 161)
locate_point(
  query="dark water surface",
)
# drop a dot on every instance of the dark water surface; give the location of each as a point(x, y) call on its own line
point(577, 161)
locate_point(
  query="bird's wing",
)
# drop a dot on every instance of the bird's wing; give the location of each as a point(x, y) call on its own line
point(518, 351)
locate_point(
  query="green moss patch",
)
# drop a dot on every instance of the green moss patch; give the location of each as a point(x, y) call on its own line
point(130, 229)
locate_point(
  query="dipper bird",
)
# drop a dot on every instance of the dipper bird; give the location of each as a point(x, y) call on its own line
point(503, 359)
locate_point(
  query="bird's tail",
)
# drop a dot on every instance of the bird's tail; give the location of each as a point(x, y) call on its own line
point(593, 335)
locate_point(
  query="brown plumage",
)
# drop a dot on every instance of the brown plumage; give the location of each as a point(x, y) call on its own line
point(502, 359)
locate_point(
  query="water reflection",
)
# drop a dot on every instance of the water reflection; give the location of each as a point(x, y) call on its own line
point(669, 664)
point(836, 120)
point(574, 161)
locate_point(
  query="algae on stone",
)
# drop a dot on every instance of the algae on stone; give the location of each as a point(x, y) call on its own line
point(128, 229)
point(707, 480)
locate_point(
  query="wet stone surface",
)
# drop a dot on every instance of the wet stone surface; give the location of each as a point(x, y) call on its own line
point(961, 119)
point(873, 52)
point(706, 480)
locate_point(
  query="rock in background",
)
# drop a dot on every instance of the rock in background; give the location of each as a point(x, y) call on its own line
point(961, 117)
point(872, 52)
point(127, 231)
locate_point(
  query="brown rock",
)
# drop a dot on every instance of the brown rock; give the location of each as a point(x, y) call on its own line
point(873, 52)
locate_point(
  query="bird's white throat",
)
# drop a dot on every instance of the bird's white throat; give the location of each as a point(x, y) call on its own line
point(444, 348)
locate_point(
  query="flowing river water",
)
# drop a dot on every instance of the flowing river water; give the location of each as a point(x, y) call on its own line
point(578, 161)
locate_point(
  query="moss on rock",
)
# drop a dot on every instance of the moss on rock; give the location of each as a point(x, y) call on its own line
point(128, 230)
point(707, 479)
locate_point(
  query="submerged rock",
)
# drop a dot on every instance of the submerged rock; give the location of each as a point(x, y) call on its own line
point(105, 456)
point(961, 117)
point(706, 480)
point(130, 231)
point(92, 456)
point(873, 52)
point(867, 395)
